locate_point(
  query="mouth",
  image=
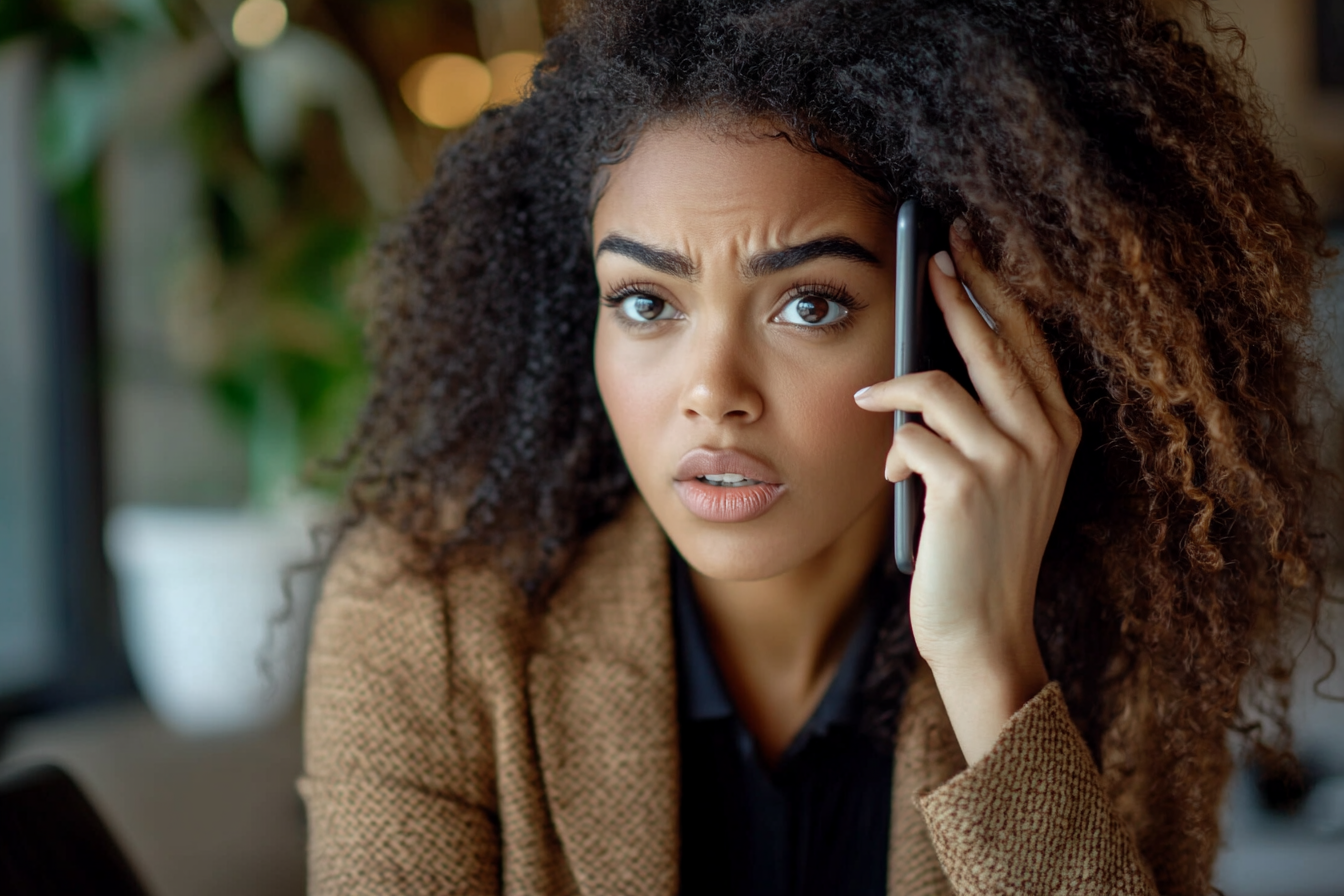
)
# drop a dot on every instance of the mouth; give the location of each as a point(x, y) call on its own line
point(728, 480)
point(721, 485)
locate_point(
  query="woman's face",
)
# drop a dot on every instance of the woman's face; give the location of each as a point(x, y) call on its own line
point(747, 294)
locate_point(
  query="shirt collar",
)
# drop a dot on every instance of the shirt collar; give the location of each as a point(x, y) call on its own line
point(703, 694)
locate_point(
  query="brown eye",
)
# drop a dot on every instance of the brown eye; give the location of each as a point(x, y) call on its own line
point(812, 311)
point(644, 308)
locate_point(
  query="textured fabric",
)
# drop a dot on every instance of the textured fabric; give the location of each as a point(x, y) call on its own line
point(815, 823)
point(1031, 816)
point(455, 744)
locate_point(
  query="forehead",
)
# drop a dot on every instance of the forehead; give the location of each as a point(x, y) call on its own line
point(691, 178)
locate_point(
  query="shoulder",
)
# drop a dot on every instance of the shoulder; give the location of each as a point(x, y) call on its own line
point(376, 592)
point(382, 608)
point(377, 564)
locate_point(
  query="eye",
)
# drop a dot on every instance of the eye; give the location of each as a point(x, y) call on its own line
point(644, 308)
point(812, 311)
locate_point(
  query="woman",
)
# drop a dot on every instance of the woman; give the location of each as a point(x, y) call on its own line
point(615, 612)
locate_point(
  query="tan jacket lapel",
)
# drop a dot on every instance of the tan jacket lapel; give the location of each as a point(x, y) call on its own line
point(927, 754)
point(602, 686)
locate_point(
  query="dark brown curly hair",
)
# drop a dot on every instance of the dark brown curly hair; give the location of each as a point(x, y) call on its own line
point(1119, 178)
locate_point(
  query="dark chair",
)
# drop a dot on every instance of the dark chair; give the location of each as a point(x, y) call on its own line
point(53, 842)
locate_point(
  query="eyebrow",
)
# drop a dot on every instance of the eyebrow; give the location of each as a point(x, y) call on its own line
point(667, 261)
point(792, 256)
point(664, 261)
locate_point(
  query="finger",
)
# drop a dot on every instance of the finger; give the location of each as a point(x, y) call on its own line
point(948, 409)
point(1009, 396)
point(1016, 324)
point(918, 450)
point(896, 468)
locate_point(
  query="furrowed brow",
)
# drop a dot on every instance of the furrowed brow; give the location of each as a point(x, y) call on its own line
point(664, 261)
point(792, 256)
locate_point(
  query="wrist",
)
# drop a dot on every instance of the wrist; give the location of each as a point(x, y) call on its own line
point(982, 688)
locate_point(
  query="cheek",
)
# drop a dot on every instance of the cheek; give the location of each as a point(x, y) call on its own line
point(819, 392)
point(631, 383)
point(843, 445)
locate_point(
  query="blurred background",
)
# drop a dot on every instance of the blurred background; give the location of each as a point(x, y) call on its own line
point(187, 192)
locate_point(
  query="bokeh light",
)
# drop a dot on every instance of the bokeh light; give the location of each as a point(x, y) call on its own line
point(448, 90)
point(511, 76)
point(257, 23)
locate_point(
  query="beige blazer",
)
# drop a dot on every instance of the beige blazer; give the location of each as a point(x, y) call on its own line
point(456, 744)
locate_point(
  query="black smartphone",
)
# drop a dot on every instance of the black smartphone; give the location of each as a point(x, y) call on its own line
point(53, 842)
point(922, 343)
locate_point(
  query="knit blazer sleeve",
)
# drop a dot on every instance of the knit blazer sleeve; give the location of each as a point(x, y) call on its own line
point(399, 780)
point(1032, 816)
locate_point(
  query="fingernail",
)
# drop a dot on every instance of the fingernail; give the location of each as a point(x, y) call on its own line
point(961, 232)
point(944, 262)
point(862, 392)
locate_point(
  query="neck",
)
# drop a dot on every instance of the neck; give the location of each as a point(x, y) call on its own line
point(779, 641)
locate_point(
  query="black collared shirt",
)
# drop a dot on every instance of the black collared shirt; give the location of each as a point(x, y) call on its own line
point(818, 822)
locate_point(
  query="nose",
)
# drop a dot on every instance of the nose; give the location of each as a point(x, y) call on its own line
point(720, 386)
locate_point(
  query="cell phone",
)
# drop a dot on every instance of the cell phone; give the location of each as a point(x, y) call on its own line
point(53, 842)
point(922, 343)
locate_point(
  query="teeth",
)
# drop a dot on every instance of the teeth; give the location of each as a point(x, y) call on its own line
point(729, 479)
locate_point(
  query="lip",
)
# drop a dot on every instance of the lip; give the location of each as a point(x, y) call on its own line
point(717, 461)
point(719, 504)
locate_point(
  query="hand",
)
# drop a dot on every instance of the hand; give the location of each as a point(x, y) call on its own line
point(994, 474)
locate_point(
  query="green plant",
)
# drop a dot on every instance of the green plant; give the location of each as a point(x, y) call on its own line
point(293, 162)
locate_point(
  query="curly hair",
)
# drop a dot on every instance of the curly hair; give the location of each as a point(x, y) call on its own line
point(1119, 178)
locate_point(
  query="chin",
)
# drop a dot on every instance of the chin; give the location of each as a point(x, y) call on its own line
point(771, 545)
point(738, 556)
